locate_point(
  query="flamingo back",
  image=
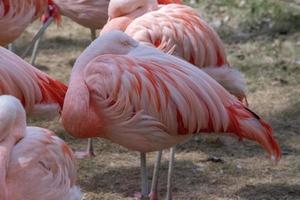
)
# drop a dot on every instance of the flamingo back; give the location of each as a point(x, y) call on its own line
point(181, 27)
point(179, 30)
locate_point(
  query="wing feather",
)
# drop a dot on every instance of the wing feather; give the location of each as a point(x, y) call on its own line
point(125, 86)
point(27, 83)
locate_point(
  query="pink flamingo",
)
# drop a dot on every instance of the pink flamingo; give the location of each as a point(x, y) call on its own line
point(88, 13)
point(176, 29)
point(16, 15)
point(145, 100)
point(34, 163)
point(39, 93)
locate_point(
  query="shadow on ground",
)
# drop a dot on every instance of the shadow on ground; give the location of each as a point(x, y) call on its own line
point(270, 192)
point(58, 42)
point(126, 180)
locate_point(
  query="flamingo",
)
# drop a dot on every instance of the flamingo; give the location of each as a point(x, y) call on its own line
point(176, 29)
point(146, 100)
point(16, 15)
point(88, 13)
point(94, 17)
point(34, 163)
point(40, 94)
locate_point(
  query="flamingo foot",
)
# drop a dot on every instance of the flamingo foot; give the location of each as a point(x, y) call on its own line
point(138, 196)
point(84, 154)
point(153, 196)
point(89, 153)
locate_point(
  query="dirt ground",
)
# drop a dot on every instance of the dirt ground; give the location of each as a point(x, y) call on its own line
point(263, 41)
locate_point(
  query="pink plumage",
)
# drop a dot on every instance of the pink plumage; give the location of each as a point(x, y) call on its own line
point(179, 30)
point(169, 1)
point(35, 89)
point(89, 13)
point(34, 163)
point(16, 15)
point(146, 100)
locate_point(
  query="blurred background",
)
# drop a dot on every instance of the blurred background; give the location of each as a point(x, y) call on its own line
point(262, 39)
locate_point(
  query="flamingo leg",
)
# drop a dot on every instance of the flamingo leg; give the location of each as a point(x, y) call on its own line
point(89, 151)
point(144, 177)
point(170, 173)
point(11, 47)
point(37, 36)
point(154, 185)
point(93, 34)
point(35, 51)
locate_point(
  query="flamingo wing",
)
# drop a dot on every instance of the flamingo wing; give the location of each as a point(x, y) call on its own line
point(179, 30)
point(154, 96)
point(27, 83)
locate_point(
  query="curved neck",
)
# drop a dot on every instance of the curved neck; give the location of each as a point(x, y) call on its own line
point(6, 147)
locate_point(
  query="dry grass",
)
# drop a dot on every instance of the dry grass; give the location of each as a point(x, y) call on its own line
point(271, 64)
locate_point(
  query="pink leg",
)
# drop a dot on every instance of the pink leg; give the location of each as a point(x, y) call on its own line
point(36, 38)
point(88, 153)
point(170, 173)
point(144, 195)
point(153, 194)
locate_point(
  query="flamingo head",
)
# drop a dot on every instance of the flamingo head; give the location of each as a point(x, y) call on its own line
point(114, 42)
point(12, 117)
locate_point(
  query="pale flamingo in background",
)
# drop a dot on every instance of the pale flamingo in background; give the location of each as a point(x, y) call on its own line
point(39, 93)
point(88, 13)
point(145, 100)
point(34, 163)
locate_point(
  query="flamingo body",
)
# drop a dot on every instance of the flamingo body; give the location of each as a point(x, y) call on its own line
point(182, 27)
point(16, 15)
point(35, 89)
point(146, 100)
point(179, 30)
point(34, 163)
point(89, 13)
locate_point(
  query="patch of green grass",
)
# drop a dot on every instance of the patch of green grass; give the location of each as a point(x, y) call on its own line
point(245, 19)
point(270, 16)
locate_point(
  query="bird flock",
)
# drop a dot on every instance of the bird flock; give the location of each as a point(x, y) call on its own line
point(156, 75)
